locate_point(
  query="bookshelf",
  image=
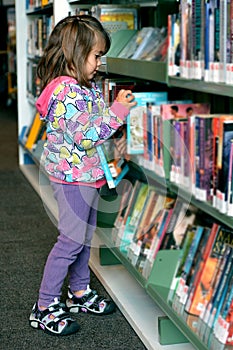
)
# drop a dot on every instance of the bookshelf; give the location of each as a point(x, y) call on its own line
point(148, 295)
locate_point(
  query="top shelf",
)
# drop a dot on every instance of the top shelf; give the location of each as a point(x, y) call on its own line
point(157, 72)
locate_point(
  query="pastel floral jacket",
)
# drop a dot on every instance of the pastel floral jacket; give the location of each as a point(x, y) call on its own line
point(77, 122)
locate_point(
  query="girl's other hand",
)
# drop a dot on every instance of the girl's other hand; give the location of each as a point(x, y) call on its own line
point(126, 98)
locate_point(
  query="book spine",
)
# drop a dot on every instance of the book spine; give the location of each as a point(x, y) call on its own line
point(105, 166)
point(223, 40)
point(207, 35)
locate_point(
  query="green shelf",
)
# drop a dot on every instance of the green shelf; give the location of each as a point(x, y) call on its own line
point(158, 287)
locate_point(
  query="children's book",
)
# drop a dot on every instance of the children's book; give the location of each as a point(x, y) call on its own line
point(114, 168)
point(180, 156)
point(183, 215)
point(189, 235)
point(128, 212)
point(204, 271)
point(135, 133)
point(34, 131)
point(133, 219)
point(187, 269)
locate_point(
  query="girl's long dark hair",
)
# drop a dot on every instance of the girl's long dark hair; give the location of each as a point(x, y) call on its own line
point(68, 47)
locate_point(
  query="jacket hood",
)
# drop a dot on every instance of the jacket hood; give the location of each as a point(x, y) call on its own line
point(42, 103)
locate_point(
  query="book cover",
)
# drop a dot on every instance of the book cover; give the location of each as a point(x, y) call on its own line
point(221, 295)
point(187, 269)
point(128, 212)
point(152, 239)
point(117, 15)
point(125, 194)
point(114, 168)
point(135, 133)
point(183, 215)
point(204, 272)
point(203, 322)
point(190, 278)
point(144, 220)
point(223, 324)
point(149, 251)
point(133, 219)
point(178, 111)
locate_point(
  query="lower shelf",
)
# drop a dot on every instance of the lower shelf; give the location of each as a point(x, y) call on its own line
point(135, 304)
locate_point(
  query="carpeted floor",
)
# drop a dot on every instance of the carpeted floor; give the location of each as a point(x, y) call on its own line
point(26, 236)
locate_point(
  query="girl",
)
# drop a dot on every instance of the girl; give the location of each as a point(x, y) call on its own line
point(77, 122)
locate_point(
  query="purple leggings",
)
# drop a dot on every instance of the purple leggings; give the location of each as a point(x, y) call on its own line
point(77, 206)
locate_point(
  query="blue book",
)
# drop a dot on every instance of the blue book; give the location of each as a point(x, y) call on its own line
point(114, 169)
point(187, 269)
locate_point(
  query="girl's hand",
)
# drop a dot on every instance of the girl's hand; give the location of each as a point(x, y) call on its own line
point(126, 98)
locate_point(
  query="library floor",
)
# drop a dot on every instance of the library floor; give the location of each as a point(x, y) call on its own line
point(26, 235)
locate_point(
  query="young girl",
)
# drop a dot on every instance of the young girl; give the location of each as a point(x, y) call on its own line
point(77, 122)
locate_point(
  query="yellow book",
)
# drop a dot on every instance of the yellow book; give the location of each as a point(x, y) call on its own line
point(34, 131)
point(44, 2)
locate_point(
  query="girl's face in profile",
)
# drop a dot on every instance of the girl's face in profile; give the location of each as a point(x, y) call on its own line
point(94, 59)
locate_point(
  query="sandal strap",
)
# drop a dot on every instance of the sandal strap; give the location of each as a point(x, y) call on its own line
point(60, 314)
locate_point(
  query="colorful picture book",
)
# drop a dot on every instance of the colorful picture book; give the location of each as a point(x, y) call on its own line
point(115, 168)
point(135, 133)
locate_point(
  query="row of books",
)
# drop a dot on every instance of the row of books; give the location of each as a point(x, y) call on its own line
point(202, 284)
point(33, 82)
point(32, 4)
point(39, 29)
point(186, 144)
point(149, 221)
point(200, 41)
point(148, 44)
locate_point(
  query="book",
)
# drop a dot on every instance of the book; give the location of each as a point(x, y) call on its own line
point(128, 212)
point(159, 52)
point(194, 270)
point(148, 42)
point(152, 240)
point(223, 325)
point(138, 42)
point(220, 295)
point(183, 216)
point(174, 45)
point(204, 271)
point(146, 216)
point(204, 157)
point(172, 114)
point(34, 131)
point(187, 268)
point(119, 40)
point(112, 86)
point(135, 133)
point(225, 136)
point(115, 17)
point(124, 193)
point(133, 220)
point(114, 168)
point(188, 237)
point(203, 322)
